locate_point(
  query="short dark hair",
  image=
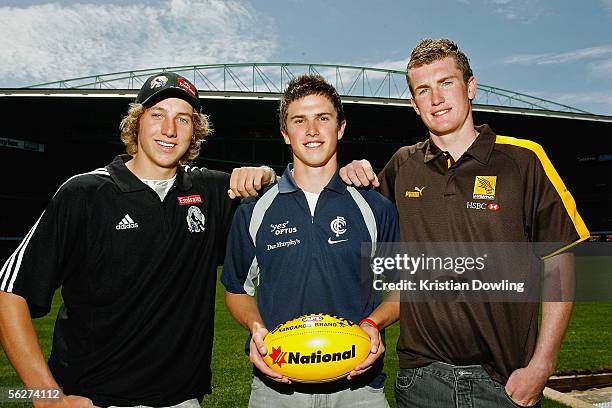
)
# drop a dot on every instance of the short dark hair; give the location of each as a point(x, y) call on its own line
point(429, 50)
point(304, 85)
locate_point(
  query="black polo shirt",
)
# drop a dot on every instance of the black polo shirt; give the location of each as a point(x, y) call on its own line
point(138, 282)
point(501, 189)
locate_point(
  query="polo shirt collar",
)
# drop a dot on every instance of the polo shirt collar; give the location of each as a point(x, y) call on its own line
point(129, 182)
point(287, 183)
point(480, 149)
point(431, 151)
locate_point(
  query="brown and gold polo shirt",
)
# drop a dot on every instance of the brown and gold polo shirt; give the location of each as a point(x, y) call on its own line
point(502, 189)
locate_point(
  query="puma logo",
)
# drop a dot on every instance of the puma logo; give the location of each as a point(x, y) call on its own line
point(417, 193)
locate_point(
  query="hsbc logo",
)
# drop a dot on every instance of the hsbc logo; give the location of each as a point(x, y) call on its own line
point(473, 205)
point(493, 207)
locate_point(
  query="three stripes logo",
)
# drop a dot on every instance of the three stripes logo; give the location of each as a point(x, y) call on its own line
point(126, 223)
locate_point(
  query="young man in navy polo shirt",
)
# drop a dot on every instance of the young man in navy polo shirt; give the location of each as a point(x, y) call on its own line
point(135, 247)
point(302, 241)
point(467, 184)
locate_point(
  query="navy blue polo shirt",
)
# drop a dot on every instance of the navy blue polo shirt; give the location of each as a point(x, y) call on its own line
point(303, 263)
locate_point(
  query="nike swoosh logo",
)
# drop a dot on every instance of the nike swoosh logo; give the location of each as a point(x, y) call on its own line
point(332, 242)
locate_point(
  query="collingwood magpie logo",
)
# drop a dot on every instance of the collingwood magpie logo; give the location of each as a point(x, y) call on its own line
point(158, 82)
point(126, 223)
point(195, 219)
point(338, 227)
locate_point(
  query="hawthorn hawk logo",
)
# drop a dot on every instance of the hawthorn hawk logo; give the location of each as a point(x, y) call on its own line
point(278, 356)
point(484, 187)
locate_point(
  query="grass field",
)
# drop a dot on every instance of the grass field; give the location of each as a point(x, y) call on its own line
point(587, 346)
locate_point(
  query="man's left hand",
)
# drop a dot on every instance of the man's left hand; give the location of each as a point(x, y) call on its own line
point(525, 385)
point(377, 348)
point(245, 181)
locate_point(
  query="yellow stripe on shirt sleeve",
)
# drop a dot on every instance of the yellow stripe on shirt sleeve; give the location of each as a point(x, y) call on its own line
point(553, 176)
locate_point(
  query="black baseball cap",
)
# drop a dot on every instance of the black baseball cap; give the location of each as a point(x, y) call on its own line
point(168, 85)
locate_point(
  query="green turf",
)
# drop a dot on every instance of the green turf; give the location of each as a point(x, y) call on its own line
point(588, 338)
point(586, 347)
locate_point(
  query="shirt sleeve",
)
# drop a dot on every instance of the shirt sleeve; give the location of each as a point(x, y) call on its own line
point(229, 209)
point(387, 176)
point(240, 267)
point(552, 218)
point(389, 226)
point(388, 236)
point(41, 262)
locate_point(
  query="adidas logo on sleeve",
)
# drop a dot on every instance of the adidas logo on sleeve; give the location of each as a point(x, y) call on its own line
point(126, 223)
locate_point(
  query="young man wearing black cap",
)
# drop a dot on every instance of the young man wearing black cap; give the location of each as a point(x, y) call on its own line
point(134, 246)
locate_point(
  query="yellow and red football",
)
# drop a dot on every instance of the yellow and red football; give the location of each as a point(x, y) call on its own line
point(316, 348)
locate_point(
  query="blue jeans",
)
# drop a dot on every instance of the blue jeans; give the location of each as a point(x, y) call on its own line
point(443, 385)
point(263, 396)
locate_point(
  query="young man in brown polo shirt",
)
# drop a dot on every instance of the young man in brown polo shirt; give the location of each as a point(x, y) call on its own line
point(473, 354)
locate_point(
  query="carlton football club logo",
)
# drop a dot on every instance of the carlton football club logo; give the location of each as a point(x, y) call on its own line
point(338, 227)
point(484, 187)
point(158, 82)
point(195, 219)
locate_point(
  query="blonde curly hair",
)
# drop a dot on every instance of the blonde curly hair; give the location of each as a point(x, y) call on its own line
point(131, 122)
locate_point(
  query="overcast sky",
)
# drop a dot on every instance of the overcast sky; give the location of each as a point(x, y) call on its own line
point(554, 49)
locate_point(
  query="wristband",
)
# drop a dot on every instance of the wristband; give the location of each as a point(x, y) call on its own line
point(370, 322)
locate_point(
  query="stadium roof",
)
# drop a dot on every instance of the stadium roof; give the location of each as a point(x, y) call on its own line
point(271, 78)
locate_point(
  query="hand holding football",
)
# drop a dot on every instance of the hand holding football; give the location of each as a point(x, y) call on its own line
point(316, 348)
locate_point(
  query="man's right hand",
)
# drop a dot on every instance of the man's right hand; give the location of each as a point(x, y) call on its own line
point(246, 181)
point(359, 173)
point(258, 349)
